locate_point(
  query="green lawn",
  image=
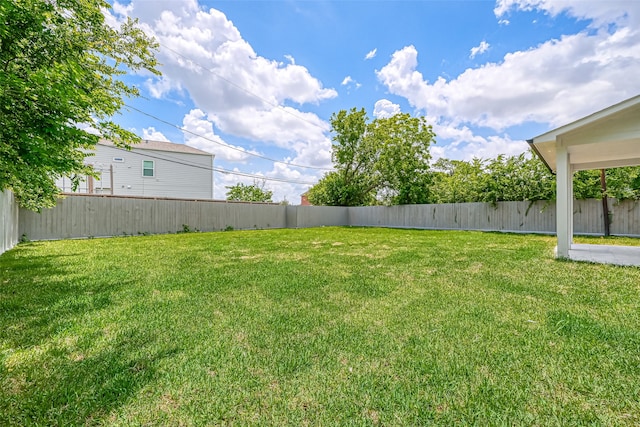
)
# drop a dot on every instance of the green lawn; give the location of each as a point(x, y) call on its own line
point(323, 327)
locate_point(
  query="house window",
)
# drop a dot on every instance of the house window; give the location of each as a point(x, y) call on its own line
point(148, 168)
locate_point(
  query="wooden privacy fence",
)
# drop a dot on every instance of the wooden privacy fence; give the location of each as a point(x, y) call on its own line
point(9, 220)
point(95, 216)
point(521, 217)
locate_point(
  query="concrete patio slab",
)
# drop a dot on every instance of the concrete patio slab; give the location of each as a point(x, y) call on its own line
point(606, 254)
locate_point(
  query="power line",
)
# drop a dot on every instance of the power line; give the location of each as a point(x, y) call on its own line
point(219, 170)
point(223, 144)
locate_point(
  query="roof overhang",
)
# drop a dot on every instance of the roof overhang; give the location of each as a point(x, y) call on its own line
point(607, 139)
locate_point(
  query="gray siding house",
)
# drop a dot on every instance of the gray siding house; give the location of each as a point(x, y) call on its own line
point(150, 168)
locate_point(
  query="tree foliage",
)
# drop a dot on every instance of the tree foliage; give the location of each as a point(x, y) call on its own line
point(60, 63)
point(339, 189)
point(381, 161)
point(586, 185)
point(353, 183)
point(522, 177)
point(504, 178)
point(387, 161)
point(402, 164)
point(249, 193)
point(624, 183)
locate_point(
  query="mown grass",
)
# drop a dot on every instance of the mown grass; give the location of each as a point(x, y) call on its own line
point(329, 326)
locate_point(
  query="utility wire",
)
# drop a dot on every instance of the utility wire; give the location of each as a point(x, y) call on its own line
point(216, 169)
point(221, 170)
point(223, 144)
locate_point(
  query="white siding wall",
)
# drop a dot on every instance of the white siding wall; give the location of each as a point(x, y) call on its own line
point(178, 175)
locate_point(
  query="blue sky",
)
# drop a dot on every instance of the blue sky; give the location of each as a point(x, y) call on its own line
point(255, 79)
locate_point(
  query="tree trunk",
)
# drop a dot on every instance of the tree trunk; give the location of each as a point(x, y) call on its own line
point(605, 204)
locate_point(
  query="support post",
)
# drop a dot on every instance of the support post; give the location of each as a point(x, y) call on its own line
point(111, 178)
point(564, 201)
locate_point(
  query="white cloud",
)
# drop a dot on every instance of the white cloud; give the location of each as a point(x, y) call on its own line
point(371, 54)
point(284, 127)
point(555, 82)
point(121, 9)
point(204, 55)
point(152, 134)
point(623, 12)
point(160, 86)
point(486, 149)
point(350, 82)
point(504, 22)
point(347, 80)
point(463, 144)
point(482, 48)
point(315, 153)
point(88, 128)
point(200, 134)
point(290, 191)
point(385, 109)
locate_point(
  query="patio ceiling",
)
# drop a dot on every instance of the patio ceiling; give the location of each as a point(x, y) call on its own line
point(606, 139)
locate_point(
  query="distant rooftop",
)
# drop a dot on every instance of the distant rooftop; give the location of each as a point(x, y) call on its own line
point(160, 146)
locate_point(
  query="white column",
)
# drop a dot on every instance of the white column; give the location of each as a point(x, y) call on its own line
point(564, 201)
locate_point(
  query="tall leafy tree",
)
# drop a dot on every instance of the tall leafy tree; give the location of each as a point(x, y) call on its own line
point(354, 155)
point(60, 64)
point(381, 161)
point(249, 193)
point(402, 165)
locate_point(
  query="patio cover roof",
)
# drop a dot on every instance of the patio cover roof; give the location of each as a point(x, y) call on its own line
point(606, 139)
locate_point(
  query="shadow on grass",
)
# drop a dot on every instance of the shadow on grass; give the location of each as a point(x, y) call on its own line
point(39, 297)
point(78, 390)
point(56, 366)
